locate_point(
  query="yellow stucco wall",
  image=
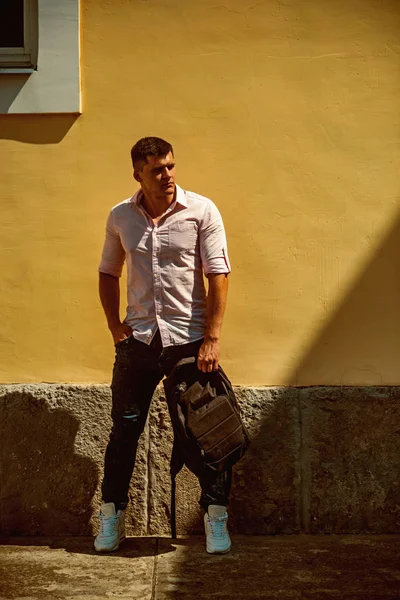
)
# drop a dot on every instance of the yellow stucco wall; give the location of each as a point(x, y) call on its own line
point(287, 115)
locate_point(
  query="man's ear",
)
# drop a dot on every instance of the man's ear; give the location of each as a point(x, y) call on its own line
point(136, 175)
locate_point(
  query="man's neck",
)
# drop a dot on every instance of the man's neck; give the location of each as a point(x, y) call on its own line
point(156, 206)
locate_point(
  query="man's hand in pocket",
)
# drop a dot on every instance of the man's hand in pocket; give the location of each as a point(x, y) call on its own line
point(120, 332)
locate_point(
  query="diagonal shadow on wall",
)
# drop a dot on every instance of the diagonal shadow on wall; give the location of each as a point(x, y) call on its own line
point(333, 451)
point(362, 328)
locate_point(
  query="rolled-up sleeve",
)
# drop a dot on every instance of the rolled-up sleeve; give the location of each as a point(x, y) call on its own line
point(113, 256)
point(212, 239)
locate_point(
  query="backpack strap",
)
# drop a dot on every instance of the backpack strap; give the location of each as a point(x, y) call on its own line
point(177, 458)
point(176, 464)
point(173, 506)
point(185, 361)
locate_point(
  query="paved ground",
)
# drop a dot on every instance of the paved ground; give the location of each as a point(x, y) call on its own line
point(299, 567)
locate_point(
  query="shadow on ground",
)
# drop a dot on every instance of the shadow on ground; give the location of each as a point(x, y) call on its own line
point(284, 567)
point(133, 547)
point(300, 567)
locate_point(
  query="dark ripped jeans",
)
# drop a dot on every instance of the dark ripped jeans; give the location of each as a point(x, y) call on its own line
point(138, 369)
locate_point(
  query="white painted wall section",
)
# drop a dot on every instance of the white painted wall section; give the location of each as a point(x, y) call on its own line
point(55, 86)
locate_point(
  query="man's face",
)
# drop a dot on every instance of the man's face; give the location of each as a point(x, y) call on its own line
point(157, 176)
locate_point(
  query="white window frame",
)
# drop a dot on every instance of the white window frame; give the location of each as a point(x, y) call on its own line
point(24, 57)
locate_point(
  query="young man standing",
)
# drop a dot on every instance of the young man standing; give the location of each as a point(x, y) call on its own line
point(168, 238)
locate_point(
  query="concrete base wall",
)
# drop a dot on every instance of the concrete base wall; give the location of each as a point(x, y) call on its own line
point(322, 460)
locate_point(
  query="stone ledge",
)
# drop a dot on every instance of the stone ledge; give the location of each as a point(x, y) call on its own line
point(322, 460)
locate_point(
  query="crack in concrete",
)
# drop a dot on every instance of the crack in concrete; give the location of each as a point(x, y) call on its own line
point(2, 456)
point(1, 492)
point(155, 571)
point(304, 469)
point(147, 490)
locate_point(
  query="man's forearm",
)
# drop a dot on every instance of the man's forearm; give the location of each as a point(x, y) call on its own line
point(208, 357)
point(216, 303)
point(109, 297)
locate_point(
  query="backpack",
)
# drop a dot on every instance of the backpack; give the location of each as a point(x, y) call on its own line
point(208, 430)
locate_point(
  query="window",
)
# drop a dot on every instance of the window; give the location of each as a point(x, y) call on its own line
point(49, 32)
point(18, 34)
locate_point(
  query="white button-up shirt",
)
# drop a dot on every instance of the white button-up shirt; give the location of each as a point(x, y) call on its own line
point(165, 264)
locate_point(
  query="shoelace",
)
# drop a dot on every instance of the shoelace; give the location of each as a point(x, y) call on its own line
point(107, 524)
point(217, 526)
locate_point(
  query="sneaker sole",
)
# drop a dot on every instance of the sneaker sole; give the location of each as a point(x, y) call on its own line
point(110, 549)
point(219, 551)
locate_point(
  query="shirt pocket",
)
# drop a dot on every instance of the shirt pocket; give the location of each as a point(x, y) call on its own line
point(182, 237)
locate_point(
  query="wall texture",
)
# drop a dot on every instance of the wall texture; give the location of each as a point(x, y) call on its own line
point(286, 114)
point(322, 460)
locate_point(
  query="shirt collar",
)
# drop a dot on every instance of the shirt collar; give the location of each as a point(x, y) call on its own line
point(180, 197)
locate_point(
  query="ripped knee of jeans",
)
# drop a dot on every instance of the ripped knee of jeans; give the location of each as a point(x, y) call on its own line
point(127, 424)
point(132, 414)
point(128, 416)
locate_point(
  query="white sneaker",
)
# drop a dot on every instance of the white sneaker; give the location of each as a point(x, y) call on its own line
point(217, 536)
point(112, 528)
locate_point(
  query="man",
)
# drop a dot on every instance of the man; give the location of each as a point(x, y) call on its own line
point(168, 238)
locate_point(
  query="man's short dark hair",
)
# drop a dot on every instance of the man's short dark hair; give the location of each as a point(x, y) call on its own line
point(149, 146)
